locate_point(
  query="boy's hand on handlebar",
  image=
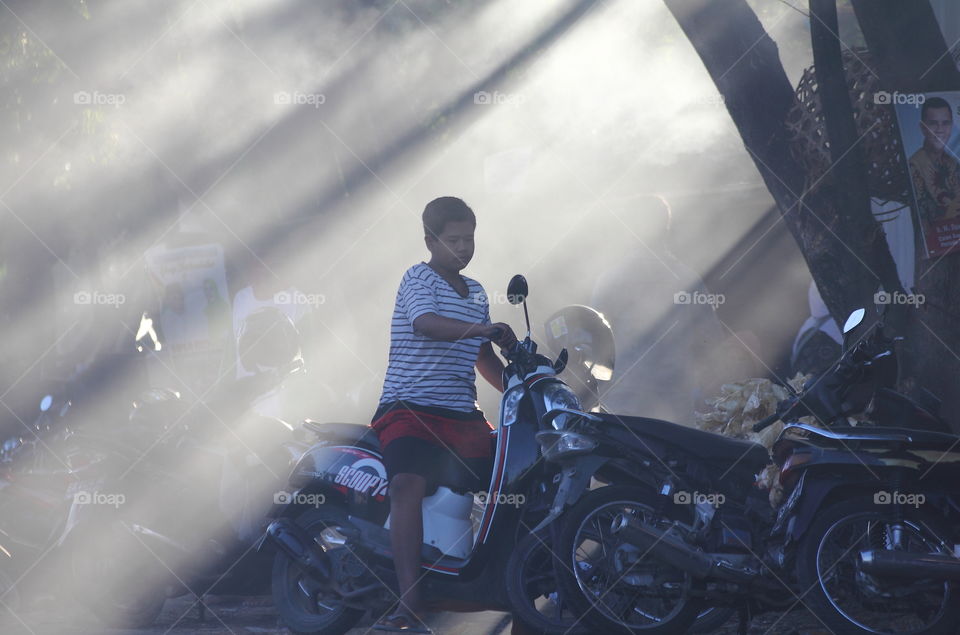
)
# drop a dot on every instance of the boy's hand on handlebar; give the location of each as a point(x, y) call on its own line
point(500, 334)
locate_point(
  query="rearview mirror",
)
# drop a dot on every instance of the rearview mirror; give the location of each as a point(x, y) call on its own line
point(517, 289)
point(853, 321)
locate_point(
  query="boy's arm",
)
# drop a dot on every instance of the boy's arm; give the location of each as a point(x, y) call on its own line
point(437, 327)
point(490, 366)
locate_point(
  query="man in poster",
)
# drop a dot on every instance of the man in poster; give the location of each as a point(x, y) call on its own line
point(934, 168)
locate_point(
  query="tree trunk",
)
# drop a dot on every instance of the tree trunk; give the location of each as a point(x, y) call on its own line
point(860, 228)
point(907, 44)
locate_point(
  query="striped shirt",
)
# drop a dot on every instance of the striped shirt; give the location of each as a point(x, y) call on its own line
point(430, 372)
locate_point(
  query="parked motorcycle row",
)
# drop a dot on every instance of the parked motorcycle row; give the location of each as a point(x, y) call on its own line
point(598, 522)
point(584, 521)
point(865, 538)
point(166, 500)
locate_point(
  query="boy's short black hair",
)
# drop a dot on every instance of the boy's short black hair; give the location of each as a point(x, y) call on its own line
point(443, 210)
point(934, 102)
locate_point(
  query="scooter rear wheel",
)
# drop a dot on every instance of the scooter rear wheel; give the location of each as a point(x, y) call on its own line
point(294, 593)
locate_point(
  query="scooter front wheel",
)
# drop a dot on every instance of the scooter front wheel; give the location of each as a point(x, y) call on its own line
point(614, 585)
point(302, 605)
point(532, 590)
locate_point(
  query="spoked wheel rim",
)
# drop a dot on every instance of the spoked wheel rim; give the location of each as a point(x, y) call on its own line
point(875, 604)
point(628, 586)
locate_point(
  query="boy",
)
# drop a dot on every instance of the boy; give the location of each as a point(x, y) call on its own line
point(440, 331)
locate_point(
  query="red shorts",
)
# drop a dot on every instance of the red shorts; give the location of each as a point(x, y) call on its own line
point(468, 438)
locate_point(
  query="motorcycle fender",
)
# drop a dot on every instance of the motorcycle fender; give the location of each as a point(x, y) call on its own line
point(292, 502)
point(346, 467)
point(574, 480)
point(815, 491)
point(349, 476)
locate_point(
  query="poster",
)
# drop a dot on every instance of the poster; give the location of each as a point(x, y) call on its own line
point(928, 131)
point(194, 314)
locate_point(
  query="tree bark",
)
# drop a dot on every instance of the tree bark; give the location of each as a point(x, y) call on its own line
point(907, 44)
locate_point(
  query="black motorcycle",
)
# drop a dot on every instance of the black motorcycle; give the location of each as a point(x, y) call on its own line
point(333, 558)
point(532, 583)
point(874, 514)
point(694, 530)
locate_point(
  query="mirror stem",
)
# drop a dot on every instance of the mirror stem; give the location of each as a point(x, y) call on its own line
point(526, 316)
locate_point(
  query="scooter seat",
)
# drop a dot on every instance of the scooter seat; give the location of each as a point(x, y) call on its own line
point(357, 433)
point(707, 445)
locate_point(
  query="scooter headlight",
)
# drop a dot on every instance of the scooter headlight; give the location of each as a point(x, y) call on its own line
point(558, 395)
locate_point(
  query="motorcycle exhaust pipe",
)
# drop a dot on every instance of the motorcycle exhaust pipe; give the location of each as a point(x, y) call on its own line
point(295, 543)
point(673, 551)
point(900, 564)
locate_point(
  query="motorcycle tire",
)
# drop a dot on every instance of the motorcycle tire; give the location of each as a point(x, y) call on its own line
point(524, 581)
point(596, 612)
point(833, 603)
point(290, 599)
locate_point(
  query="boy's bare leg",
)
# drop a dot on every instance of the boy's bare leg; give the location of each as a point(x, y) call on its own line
point(406, 535)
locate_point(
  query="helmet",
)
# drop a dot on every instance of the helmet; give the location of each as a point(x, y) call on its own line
point(586, 335)
point(268, 340)
point(588, 338)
